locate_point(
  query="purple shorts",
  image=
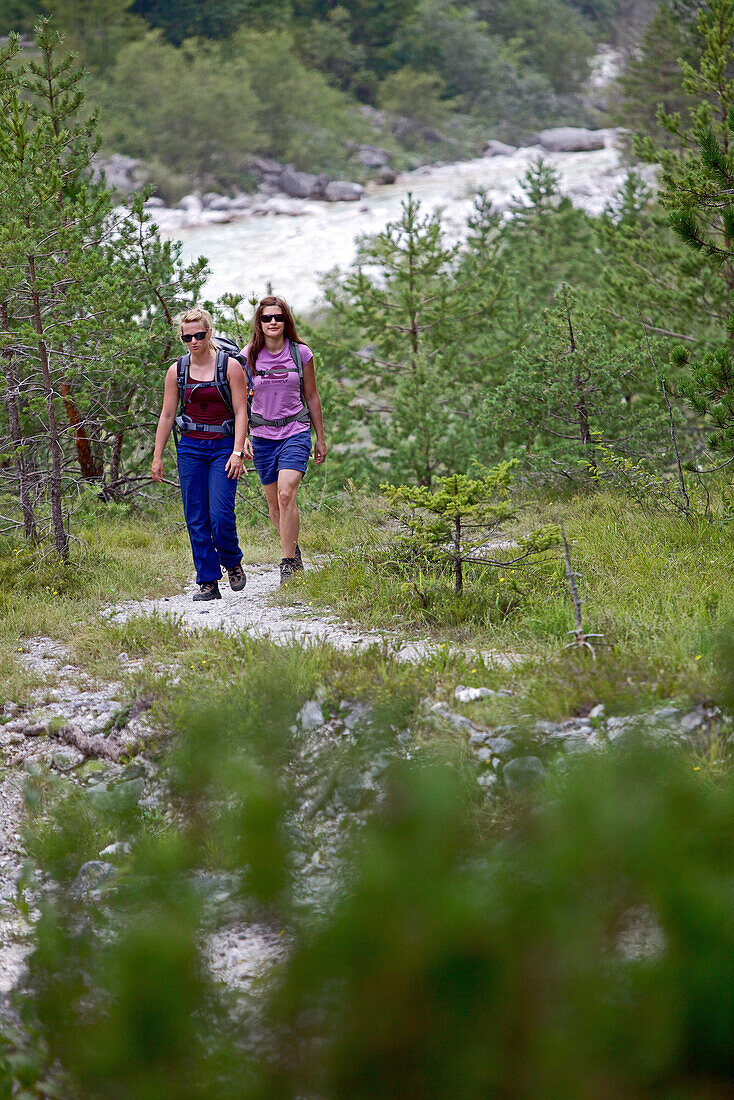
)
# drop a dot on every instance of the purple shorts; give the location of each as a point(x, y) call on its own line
point(273, 455)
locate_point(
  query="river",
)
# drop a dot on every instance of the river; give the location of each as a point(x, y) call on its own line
point(294, 254)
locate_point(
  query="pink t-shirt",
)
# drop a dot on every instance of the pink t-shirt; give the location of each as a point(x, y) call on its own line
point(276, 391)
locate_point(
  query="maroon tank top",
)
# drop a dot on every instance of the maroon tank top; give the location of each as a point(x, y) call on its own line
point(204, 404)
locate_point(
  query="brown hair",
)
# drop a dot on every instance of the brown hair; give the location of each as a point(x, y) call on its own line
point(257, 343)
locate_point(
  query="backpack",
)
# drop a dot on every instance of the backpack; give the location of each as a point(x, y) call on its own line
point(226, 349)
point(304, 416)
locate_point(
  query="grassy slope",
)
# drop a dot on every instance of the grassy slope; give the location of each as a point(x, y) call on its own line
point(660, 590)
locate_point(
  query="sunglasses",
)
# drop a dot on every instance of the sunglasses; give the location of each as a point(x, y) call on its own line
point(187, 337)
point(268, 317)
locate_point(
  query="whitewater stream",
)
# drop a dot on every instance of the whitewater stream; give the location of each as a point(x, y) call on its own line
point(294, 253)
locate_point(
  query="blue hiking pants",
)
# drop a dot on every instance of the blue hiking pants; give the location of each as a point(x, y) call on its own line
point(208, 504)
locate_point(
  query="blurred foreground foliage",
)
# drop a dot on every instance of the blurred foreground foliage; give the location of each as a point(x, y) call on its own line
point(574, 941)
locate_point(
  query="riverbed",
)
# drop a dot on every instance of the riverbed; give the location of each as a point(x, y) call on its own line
point(294, 254)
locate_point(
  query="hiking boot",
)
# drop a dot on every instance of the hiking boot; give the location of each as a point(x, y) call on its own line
point(237, 578)
point(297, 558)
point(287, 569)
point(209, 590)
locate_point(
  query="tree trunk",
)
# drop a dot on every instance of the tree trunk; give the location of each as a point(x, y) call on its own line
point(16, 435)
point(61, 538)
point(580, 404)
point(90, 468)
point(458, 569)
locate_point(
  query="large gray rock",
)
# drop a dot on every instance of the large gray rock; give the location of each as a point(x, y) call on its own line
point(214, 201)
point(405, 128)
point(495, 148)
point(310, 715)
point(523, 773)
point(469, 694)
point(92, 877)
point(302, 185)
point(450, 716)
point(192, 204)
point(387, 175)
point(571, 139)
point(124, 174)
point(372, 156)
point(343, 191)
point(266, 167)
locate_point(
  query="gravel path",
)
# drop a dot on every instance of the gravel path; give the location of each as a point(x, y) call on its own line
point(70, 718)
point(254, 612)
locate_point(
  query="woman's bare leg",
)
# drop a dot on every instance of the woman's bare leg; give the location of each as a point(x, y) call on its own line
point(289, 520)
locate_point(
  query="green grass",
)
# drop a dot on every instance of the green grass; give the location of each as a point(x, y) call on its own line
point(659, 590)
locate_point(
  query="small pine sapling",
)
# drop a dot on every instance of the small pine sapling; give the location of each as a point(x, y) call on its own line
point(459, 519)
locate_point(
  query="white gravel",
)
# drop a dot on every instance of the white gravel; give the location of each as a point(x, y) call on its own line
point(255, 613)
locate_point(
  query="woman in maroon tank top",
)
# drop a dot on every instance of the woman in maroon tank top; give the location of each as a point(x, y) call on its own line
point(210, 453)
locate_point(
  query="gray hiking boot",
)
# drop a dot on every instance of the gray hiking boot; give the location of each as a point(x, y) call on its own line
point(237, 578)
point(209, 590)
point(297, 558)
point(287, 569)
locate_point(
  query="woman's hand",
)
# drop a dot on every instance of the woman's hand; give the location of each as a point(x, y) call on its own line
point(235, 466)
point(320, 450)
point(249, 453)
point(156, 469)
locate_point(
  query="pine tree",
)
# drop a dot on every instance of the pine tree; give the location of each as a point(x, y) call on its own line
point(458, 519)
point(569, 387)
point(652, 77)
point(698, 184)
point(82, 296)
point(411, 314)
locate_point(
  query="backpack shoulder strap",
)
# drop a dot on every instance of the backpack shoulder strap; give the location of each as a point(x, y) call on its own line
point(296, 357)
point(182, 376)
point(220, 376)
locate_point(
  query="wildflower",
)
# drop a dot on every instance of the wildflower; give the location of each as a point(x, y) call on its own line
point(698, 658)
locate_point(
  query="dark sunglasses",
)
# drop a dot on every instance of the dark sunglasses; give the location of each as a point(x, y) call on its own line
point(267, 317)
point(187, 337)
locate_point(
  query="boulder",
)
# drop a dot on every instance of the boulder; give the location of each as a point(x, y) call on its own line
point(92, 877)
point(376, 118)
point(495, 148)
point(469, 694)
point(522, 773)
point(343, 191)
point(372, 156)
point(123, 174)
point(191, 204)
point(387, 175)
point(265, 167)
point(302, 185)
point(571, 139)
point(405, 128)
point(310, 715)
point(242, 201)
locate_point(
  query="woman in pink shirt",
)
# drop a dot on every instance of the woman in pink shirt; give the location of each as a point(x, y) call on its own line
point(285, 407)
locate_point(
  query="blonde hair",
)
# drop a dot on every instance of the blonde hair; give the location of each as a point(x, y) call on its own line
point(196, 315)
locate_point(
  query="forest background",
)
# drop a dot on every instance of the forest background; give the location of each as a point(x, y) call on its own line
point(553, 369)
point(198, 89)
